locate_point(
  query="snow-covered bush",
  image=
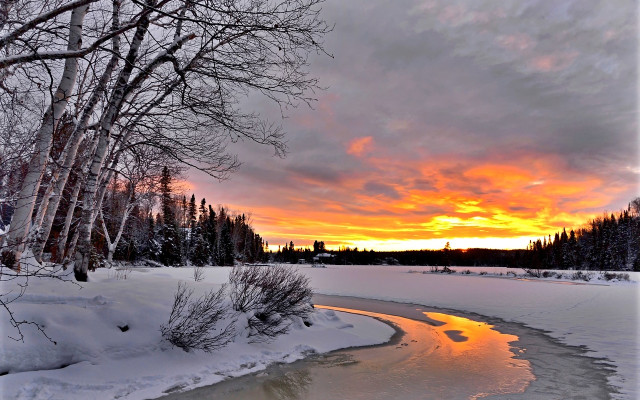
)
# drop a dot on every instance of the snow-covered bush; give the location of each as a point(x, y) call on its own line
point(579, 275)
point(612, 275)
point(192, 323)
point(271, 297)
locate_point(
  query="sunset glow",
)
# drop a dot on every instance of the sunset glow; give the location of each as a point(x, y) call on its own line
point(453, 122)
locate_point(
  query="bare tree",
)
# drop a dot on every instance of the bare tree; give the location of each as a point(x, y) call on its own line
point(21, 221)
point(175, 84)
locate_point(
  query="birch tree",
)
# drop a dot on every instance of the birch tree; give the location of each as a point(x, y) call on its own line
point(177, 82)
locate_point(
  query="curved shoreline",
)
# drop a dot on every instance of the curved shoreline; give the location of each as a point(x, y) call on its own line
point(546, 365)
point(560, 371)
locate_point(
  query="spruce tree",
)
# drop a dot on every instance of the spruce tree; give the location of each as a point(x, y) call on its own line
point(212, 236)
point(170, 250)
point(226, 243)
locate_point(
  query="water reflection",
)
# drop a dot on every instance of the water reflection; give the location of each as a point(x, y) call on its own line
point(442, 357)
point(291, 385)
point(454, 357)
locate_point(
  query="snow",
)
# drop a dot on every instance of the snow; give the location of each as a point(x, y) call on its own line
point(100, 361)
point(602, 316)
point(93, 358)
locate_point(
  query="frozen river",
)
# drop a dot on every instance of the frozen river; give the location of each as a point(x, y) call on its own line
point(434, 354)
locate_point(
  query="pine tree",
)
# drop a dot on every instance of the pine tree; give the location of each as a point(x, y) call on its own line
point(200, 249)
point(170, 249)
point(225, 253)
point(211, 236)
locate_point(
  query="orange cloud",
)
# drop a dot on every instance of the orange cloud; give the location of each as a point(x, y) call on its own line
point(498, 204)
point(359, 146)
point(554, 62)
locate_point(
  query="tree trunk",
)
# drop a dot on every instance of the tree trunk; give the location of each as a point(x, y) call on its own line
point(21, 221)
point(111, 246)
point(62, 239)
point(51, 201)
point(83, 251)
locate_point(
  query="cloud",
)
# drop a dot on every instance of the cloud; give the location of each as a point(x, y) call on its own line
point(360, 146)
point(453, 119)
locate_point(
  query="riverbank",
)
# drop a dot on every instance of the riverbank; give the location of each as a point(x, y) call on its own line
point(95, 359)
point(436, 354)
point(600, 318)
point(559, 370)
point(108, 341)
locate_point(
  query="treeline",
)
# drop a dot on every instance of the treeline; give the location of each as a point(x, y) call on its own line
point(183, 232)
point(606, 243)
point(444, 257)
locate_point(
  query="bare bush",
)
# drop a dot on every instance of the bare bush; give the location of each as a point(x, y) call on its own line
point(120, 273)
point(612, 275)
point(192, 323)
point(533, 272)
point(272, 296)
point(583, 276)
point(198, 273)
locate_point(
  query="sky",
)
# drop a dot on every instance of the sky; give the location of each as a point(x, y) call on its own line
point(481, 123)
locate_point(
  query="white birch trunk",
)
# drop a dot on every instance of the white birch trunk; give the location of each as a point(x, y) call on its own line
point(83, 251)
point(111, 246)
point(62, 239)
point(92, 197)
point(21, 221)
point(47, 211)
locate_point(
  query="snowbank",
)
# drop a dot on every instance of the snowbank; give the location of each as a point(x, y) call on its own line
point(95, 359)
point(603, 317)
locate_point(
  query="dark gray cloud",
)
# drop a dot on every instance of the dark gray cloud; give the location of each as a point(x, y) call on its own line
point(380, 189)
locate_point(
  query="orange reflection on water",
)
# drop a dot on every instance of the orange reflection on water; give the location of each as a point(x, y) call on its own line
point(458, 358)
point(468, 335)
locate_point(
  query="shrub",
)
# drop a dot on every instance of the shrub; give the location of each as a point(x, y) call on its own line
point(534, 273)
point(192, 323)
point(120, 273)
point(579, 275)
point(271, 296)
point(612, 275)
point(447, 270)
point(198, 273)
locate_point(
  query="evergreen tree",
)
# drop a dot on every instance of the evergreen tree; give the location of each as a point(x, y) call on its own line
point(170, 249)
point(200, 249)
point(225, 252)
point(212, 236)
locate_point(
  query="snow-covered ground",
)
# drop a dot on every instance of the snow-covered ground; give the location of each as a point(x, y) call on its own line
point(603, 316)
point(104, 362)
point(94, 359)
